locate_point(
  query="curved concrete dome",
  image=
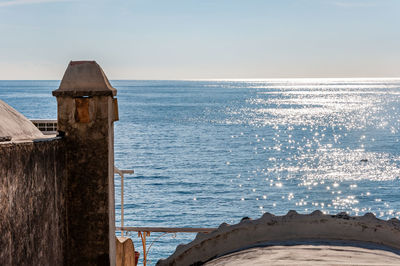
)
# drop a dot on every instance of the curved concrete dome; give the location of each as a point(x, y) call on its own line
point(297, 230)
point(16, 126)
point(310, 255)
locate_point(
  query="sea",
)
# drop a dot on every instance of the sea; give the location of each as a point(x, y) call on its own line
point(206, 152)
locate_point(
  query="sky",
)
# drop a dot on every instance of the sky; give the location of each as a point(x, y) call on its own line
point(201, 39)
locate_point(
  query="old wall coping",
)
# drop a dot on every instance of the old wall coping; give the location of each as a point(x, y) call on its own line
point(28, 141)
point(84, 78)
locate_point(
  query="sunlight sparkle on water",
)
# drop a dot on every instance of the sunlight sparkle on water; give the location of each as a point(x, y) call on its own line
point(323, 132)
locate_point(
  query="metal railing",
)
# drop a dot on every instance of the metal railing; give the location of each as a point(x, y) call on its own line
point(47, 126)
point(144, 232)
point(122, 174)
point(167, 229)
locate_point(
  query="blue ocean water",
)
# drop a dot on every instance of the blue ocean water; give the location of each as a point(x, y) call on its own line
point(207, 152)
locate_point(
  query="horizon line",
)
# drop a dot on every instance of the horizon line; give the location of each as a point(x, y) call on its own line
point(225, 79)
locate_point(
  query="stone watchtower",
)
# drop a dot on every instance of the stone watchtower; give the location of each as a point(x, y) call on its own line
point(86, 112)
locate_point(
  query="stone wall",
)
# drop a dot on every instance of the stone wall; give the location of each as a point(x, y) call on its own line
point(57, 195)
point(32, 193)
point(86, 111)
point(89, 160)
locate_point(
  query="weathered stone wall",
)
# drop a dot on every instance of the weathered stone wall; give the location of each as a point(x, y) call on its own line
point(32, 200)
point(90, 215)
point(86, 111)
point(57, 195)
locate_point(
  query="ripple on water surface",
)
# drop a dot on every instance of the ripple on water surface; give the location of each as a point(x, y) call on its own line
point(207, 152)
point(244, 148)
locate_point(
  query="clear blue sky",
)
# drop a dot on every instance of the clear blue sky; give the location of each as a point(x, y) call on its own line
point(184, 39)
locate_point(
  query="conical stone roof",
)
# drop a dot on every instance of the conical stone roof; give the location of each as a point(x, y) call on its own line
point(15, 126)
point(84, 78)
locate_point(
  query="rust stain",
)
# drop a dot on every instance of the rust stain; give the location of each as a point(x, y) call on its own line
point(82, 110)
point(115, 107)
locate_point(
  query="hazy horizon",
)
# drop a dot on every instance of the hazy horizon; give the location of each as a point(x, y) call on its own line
point(234, 79)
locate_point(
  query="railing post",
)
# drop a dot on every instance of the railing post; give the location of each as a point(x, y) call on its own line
point(121, 174)
point(122, 204)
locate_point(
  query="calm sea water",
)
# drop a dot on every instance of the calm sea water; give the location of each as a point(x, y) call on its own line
point(207, 152)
